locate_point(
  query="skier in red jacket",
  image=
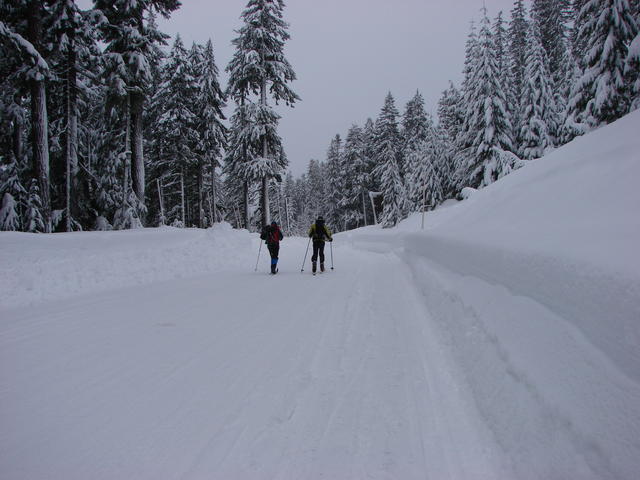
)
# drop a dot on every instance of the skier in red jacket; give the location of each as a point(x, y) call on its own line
point(272, 236)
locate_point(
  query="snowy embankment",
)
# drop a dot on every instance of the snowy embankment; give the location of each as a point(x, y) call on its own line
point(535, 285)
point(37, 268)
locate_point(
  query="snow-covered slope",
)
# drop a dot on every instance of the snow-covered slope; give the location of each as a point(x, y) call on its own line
point(46, 267)
point(535, 282)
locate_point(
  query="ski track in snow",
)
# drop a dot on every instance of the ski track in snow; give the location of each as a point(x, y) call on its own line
point(333, 376)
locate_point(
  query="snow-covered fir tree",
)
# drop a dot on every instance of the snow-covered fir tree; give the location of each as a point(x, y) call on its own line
point(470, 55)
point(444, 162)
point(316, 191)
point(335, 184)
point(23, 30)
point(425, 190)
point(353, 202)
point(539, 113)
point(451, 111)
point(632, 71)
point(486, 132)
point(518, 28)
point(211, 132)
point(386, 153)
point(417, 129)
point(239, 152)
point(578, 48)
point(33, 216)
point(551, 17)
point(12, 195)
point(415, 124)
point(260, 67)
point(602, 94)
point(130, 43)
point(176, 130)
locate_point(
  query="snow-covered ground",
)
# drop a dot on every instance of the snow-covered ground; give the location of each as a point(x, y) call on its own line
point(500, 342)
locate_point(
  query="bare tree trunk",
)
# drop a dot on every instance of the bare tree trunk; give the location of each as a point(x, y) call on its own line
point(184, 218)
point(211, 211)
point(137, 154)
point(39, 117)
point(18, 131)
point(364, 209)
point(286, 212)
point(245, 205)
point(162, 220)
point(71, 136)
point(127, 156)
point(214, 206)
point(201, 194)
point(265, 181)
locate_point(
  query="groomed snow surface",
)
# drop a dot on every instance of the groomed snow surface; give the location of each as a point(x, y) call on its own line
point(500, 342)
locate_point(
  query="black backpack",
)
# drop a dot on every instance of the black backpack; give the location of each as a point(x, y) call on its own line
point(319, 233)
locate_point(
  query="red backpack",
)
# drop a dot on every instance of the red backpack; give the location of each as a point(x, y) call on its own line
point(274, 235)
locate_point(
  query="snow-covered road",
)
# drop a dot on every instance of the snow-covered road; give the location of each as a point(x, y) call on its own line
point(239, 375)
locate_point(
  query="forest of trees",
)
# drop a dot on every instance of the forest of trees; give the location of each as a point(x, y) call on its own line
point(557, 69)
point(104, 125)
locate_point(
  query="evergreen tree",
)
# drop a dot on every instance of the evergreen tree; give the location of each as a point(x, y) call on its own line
point(518, 28)
point(355, 178)
point(550, 17)
point(444, 162)
point(176, 129)
point(499, 35)
point(539, 119)
point(486, 131)
point(12, 194)
point(417, 130)
point(240, 151)
point(315, 192)
point(335, 184)
point(130, 48)
point(34, 221)
point(393, 191)
point(470, 57)
point(601, 95)
point(386, 153)
point(425, 188)
point(371, 183)
point(415, 124)
point(26, 36)
point(212, 132)
point(451, 111)
point(259, 66)
point(578, 47)
point(632, 71)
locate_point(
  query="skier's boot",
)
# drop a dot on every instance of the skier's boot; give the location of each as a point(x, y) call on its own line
point(273, 266)
point(322, 267)
point(313, 267)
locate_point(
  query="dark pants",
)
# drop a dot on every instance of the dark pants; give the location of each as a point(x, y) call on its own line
point(318, 247)
point(274, 248)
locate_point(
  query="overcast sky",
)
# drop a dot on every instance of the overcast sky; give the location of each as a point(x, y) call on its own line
point(347, 55)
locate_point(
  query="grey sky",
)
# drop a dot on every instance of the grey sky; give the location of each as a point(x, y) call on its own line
point(347, 55)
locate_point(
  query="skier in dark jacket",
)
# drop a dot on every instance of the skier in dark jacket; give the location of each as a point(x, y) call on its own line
point(272, 235)
point(319, 232)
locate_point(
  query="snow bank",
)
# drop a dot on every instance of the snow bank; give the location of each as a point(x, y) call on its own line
point(534, 282)
point(45, 267)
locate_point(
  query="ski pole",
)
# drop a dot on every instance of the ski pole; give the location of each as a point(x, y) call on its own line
point(305, 255)
point(259, 250)
point(331, 245)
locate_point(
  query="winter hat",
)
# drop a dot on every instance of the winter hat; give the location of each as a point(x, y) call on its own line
point(320, 219)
